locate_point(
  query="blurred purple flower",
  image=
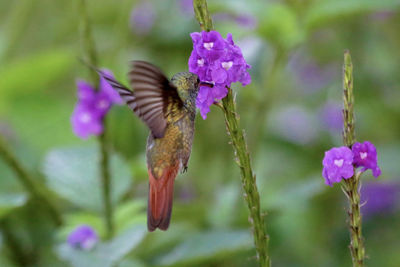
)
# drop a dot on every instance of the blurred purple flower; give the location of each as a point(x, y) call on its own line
point(142, 18)
point(379, 198)
point(218, 61)
point(310, 76)
point(365, 156)
point(186, 7)
point(6, 130)
point(295, 124)
point(92, 106)
point(86, 121)
point(338, 165)
point(83, 237)
point(245, 21)
point(331, 116)
point(382, 15)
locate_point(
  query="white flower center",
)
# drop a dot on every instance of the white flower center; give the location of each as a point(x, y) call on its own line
point(102, 104)
point(85, 117)
point(89, 243)
point(227, 65)
point(208, 46)
point(338, 162)
point(363, 155)
point(200, 62)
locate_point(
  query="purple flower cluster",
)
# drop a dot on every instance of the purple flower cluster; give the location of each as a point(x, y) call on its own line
point(380, 198)
point(83, 237)
point(339, 162)
point(92, 106)
point(219, 61)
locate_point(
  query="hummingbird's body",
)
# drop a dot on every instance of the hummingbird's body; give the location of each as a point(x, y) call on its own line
point(168, 108)
point(170, 154)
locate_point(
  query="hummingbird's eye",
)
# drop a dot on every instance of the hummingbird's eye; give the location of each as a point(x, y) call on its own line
point(198, 80)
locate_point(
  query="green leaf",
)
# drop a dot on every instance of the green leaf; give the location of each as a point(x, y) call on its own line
point(206, 245)
point(131, 263)
point(104, 254)
point(126, 215)
point(8, 202)
point(74, 173)
point(297, 195)
point(34, 73)
point(130, 213)
point(222, 212)
point(325, 11)
point(280, 26)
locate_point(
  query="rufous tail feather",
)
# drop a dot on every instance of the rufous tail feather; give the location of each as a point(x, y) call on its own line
point(161, 194)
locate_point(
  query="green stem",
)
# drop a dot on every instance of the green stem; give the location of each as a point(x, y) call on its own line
point(18, 254)
point(29, 183)
point(351, 186)
point(106, 181)
point(90, 51)
point(242, 155)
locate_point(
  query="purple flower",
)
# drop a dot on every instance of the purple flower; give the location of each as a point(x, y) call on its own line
point(382, 15)
point(92, 106)
point(142, 18)
point(379, 198)
point(309, 75)
point(86, 121)
point(245, 20)
point(338, 165)
point(218, 61)
point(365, 156)
point(295, 124)
point(83, 237)
point(198, 65)
point(331, 116)
point(186, 7)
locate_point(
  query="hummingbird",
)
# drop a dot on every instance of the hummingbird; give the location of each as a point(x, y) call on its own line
point(168, 108)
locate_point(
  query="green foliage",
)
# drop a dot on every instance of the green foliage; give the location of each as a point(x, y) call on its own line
point(280, 26)
point(330, 11)
point(104, 254)
point(8, 202)
point(201, 246)
point(74, 174)
point(33, 74)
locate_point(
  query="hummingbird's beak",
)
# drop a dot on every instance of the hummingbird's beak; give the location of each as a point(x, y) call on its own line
point(208, 84)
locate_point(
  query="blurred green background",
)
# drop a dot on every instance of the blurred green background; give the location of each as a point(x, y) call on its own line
point(290, 111)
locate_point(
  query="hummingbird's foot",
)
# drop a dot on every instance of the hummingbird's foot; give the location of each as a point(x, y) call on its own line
point(184, 169)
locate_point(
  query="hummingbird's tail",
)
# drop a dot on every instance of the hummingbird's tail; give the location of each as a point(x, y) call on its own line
point(161, 193)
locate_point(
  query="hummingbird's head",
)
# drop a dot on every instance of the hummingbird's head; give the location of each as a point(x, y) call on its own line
point(187, 84)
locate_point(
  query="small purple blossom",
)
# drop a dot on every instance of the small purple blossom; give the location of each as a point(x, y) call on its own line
point(92, 106)
point(218, 61)
point(86, 121)
point(379, 198)
point(365, 156)
point(338, 165)
point(83, 237)
point(142, 18)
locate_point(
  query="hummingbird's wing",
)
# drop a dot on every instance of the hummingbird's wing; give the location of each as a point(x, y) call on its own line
point(153, 97)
